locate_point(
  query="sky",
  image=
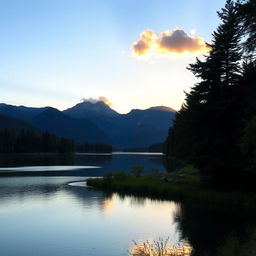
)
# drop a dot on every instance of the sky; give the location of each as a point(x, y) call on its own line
point(134, 53)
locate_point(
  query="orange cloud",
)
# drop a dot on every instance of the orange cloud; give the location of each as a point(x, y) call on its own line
point(172, 41)
point(95, 100)
point(105, 100)
point(145, 44)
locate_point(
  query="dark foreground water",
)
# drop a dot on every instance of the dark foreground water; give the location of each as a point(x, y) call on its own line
point(45, 215)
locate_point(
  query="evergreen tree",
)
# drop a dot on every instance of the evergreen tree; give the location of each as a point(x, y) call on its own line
point(247, 13)
point(207, 128)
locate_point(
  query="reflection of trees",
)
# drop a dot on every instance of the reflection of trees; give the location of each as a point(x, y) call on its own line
point(172, 164)
point(39, 187)
point(92, 159)
point(9, 193)
point(207, 230)
point(17, 160)
point(160, 160)
point(137, 201)
point(12, 160)
point(89, 197)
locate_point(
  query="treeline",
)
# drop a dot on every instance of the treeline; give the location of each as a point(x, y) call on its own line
point(216, 126)
point(156, 147)
point(29, 141)
point(93, 148)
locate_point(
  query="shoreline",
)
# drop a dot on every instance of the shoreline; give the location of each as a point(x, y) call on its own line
point(157, 186)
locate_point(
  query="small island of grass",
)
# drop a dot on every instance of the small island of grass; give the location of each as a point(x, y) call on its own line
point(182, 185)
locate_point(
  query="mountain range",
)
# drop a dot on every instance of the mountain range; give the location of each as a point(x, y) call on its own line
point(94, 122)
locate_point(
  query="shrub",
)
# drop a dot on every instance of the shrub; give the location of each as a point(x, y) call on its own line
point(159, 248)
point(155, 171)
point(108, 176)
point(136, 170)
point(120, 175)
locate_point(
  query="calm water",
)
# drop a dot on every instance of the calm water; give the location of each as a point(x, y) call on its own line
point(45, 215)
point(78, 164)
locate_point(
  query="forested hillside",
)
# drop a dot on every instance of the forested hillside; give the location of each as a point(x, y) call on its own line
point(216, 126)
point(18, 136)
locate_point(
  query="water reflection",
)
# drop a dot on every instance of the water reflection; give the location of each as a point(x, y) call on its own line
point(161, 247)
point(45, 216)
point(13, 160)
point(108, 205)
point(16, 188)
point(207, 230)
point(39, 212)
point(108, 162)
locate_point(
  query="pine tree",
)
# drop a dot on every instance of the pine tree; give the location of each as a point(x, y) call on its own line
point(247, 13)
point(206, 128)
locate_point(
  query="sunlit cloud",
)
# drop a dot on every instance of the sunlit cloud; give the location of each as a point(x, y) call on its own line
point(193, 32)
point(147, 43)
point(168, 42)
point(95, 100)
point(106, 101)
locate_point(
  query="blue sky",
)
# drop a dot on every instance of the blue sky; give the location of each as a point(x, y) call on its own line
point(55, 52)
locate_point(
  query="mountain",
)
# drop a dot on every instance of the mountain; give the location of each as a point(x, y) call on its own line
point(98, 123)
point(163, 108)
point(145, 127)
point(81, 130)
point(89, 110)
point(20, 112)
point(138, 128)
point(12, 123)
point(159, 117)
point(54, 121)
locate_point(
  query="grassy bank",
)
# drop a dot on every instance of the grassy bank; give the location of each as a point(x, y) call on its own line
point(182, 185)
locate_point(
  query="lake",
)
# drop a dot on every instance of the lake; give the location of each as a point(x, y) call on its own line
point(107, 162)
point(46, 210)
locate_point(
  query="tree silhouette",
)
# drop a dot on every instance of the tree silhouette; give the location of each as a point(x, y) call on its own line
point(208, 129)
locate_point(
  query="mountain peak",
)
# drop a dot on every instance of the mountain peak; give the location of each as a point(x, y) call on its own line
point(156, 108)
point(163, 108)
point(87, 109)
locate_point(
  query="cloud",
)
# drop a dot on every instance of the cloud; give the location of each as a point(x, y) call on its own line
point(145, 44)
point(171, 41)
point(105, 100)
point(95, 100)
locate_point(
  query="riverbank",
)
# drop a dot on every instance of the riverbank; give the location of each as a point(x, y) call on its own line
point(182, 185)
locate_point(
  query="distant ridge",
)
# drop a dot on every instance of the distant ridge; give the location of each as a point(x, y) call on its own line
point(88, 109)
point(80, 130)
point(163, 108)
point(96, 122)
point(7, 122)
point(138, 128)
point(20, 112)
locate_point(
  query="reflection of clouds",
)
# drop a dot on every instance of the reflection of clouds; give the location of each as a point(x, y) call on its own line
point(108, 205)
